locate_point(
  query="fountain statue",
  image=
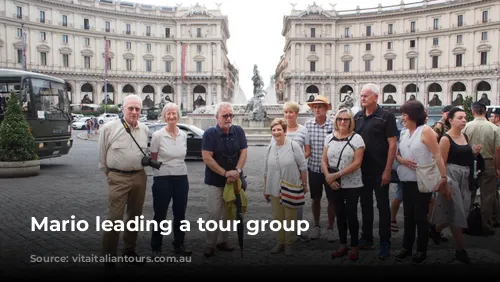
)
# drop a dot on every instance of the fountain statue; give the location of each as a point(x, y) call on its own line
point(254, 109)
point(347, 102)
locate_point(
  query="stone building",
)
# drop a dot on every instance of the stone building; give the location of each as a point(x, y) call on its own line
point(436, 51)
point(161, 53)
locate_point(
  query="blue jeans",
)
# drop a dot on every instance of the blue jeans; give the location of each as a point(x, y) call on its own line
point(165, 188)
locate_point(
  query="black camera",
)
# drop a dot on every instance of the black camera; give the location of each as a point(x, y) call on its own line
point(148, 161)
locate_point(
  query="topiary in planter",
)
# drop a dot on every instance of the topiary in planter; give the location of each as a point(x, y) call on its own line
point(18, 155)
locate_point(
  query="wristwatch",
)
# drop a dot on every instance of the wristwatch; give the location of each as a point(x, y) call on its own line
point(238, 170)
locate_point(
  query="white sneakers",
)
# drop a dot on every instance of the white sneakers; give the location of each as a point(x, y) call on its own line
point(279, 248)
point(316, 234)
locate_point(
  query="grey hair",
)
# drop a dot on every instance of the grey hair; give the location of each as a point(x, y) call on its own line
point(132, 97)
point(372, 87)
point(222, 105)
point(167, 107)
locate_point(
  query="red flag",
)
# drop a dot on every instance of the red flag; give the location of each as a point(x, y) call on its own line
point(183, 61)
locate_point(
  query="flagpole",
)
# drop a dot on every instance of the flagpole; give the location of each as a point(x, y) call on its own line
point(23, 47)
point(105, 75)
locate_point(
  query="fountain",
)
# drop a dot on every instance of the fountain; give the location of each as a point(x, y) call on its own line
point(254, 115)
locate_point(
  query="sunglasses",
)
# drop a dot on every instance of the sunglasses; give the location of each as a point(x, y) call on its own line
point(343, 119)
point(226, 116)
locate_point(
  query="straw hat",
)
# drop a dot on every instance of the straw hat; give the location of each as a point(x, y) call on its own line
point(319, 99)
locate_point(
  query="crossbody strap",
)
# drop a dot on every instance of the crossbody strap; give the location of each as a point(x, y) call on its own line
point(347, 143)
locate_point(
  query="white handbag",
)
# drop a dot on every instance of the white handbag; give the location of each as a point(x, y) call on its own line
point(428, 177)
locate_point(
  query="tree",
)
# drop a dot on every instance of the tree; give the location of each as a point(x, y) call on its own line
point(468, 108)
point(17, 144)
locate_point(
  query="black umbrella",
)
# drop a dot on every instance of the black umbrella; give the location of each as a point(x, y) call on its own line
point(239, 217)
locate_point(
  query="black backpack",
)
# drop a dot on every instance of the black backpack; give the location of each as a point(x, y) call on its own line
point(474, 222)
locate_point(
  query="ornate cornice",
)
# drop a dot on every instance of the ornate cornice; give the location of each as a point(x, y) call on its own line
point(65, 50)
point(43, 48)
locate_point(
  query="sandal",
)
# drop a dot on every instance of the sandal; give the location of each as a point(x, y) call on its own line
point(340, 253)
point(394, 226)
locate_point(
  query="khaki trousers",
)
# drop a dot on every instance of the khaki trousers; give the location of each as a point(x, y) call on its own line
point(284, 214)
point(124, 190)
point(488, 188)
point(216, 212)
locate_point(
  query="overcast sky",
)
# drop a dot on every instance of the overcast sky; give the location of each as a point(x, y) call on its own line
point(255, 28)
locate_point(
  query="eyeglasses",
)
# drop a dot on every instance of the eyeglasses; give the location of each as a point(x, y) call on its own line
point(134, 108)
point(226, 116)
point(343, 119)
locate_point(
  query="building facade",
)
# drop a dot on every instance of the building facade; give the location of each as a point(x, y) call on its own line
point(114, 48)
point(438, 52)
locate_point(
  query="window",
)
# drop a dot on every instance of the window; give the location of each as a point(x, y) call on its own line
point(313, 48)
point(167, 32)
point(86, 24)
point(19, 14)
point(127, 28)
point(389, 45)
point(128, 63)
point(368, 30)
point(412, 43)
point(312, 66)
point(368, 65)
point(65, 60)
point(108, 27)
point(412, 63)
point(43, 36)
point(64, 20)
point(148, 47)
point(390, 28)
point(346, 66)
point(19, 32)
point(168, 66)
point(109, 64)
point(413, 26)
point(198, 32)
point(435, 41)
point(459, 39)
point(460, 20)
point(313, 32)
point(484, 35)
point(108, 42)
point(346, 48)
point(485, 16)
point(168, 49)
point(86, 61)
point(149, 64)
point(42, 16)
point(65, 39)
point(43, 58)
point(368, 47)
point(435, 61)
point(198, 49)
point(484, 58)
point(19, 56)
point(458, 60)
point(128, 45)
point(198, 66)
point(347, 32)
point(87, 42)
point(148, 30)
point(389, 64)
point(436, 24)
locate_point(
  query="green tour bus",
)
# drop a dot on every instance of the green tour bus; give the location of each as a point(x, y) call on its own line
point(46, 106)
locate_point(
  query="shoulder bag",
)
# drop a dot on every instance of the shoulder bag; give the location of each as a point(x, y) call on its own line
point(291, 195)
point(428, 176)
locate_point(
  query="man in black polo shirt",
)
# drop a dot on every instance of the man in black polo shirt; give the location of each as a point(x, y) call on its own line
point(224, 151)
point(379, 131)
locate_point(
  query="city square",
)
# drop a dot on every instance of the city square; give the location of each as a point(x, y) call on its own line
point(73, 185)
point(94, 53)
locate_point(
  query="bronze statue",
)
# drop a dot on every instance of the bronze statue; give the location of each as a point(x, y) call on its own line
point(389, 100)
point(459, 101)
point(148, 103)
point(484, 99)
point(110, 101)
point(86, 100)
point(435, 101)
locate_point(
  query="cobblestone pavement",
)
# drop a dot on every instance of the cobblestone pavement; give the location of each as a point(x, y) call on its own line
point(72, 185)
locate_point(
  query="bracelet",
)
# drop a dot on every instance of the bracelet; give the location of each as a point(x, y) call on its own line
point(340, 172)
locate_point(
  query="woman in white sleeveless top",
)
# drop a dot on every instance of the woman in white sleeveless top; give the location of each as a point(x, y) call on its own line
point(418, 146)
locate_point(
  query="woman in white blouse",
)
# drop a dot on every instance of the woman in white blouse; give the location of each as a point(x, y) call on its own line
point(285, 160)
point(169, 146)
point(342, 158)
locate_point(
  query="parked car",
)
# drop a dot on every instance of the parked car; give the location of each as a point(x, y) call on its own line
point(81, 123)
point(194, 136)
point(106, 117)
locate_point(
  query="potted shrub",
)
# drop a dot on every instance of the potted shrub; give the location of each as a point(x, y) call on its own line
point(18, 157)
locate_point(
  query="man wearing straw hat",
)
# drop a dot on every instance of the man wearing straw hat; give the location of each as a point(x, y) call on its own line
point(318, 129)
